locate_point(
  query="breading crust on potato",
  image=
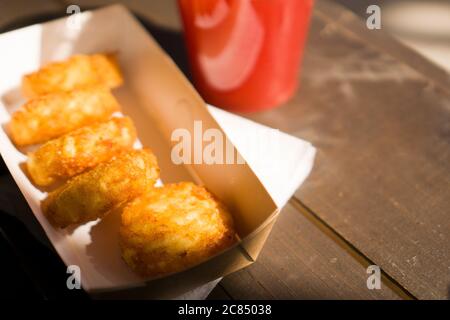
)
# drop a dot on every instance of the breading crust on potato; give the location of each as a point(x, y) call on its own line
point(79, 150)
point(172, 228)
point(55, 114)
point(79, 71)
point(93, 194)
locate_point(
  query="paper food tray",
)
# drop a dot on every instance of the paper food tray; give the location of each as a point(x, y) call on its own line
point(159, 100)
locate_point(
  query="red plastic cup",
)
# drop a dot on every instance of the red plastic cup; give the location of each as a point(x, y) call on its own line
point(245, 54)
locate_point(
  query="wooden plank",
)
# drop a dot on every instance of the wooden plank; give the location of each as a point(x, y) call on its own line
point(300, 261)
point(382, 173)
point(334, 14)
point(14, 11)
point(162, 13)
point(218, 293)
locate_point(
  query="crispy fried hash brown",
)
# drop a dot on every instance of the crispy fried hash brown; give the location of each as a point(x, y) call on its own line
point(172, 228)
point(79, 150)
point(93, 194)
point(79, 71)
point(55, 114)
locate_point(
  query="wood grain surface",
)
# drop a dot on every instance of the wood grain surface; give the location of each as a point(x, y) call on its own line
point(301, 261)
point(382, 129)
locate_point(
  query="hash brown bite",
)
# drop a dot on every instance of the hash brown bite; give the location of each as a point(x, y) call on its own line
point(52, 115)
point(95, 193)
point(172, 228)
point(79, 150)
point(77, 72)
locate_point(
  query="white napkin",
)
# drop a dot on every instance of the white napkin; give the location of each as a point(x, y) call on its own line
point(281, 162)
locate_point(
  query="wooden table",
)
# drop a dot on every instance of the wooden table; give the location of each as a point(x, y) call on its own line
point(379, 193)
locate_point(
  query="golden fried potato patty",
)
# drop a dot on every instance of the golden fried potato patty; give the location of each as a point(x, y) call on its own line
point(94, 193)
point(79, 150)
point(172, 228)
point(55, 114)
point(79, 71)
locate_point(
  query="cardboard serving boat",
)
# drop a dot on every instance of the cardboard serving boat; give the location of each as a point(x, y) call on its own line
point(159, 99)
